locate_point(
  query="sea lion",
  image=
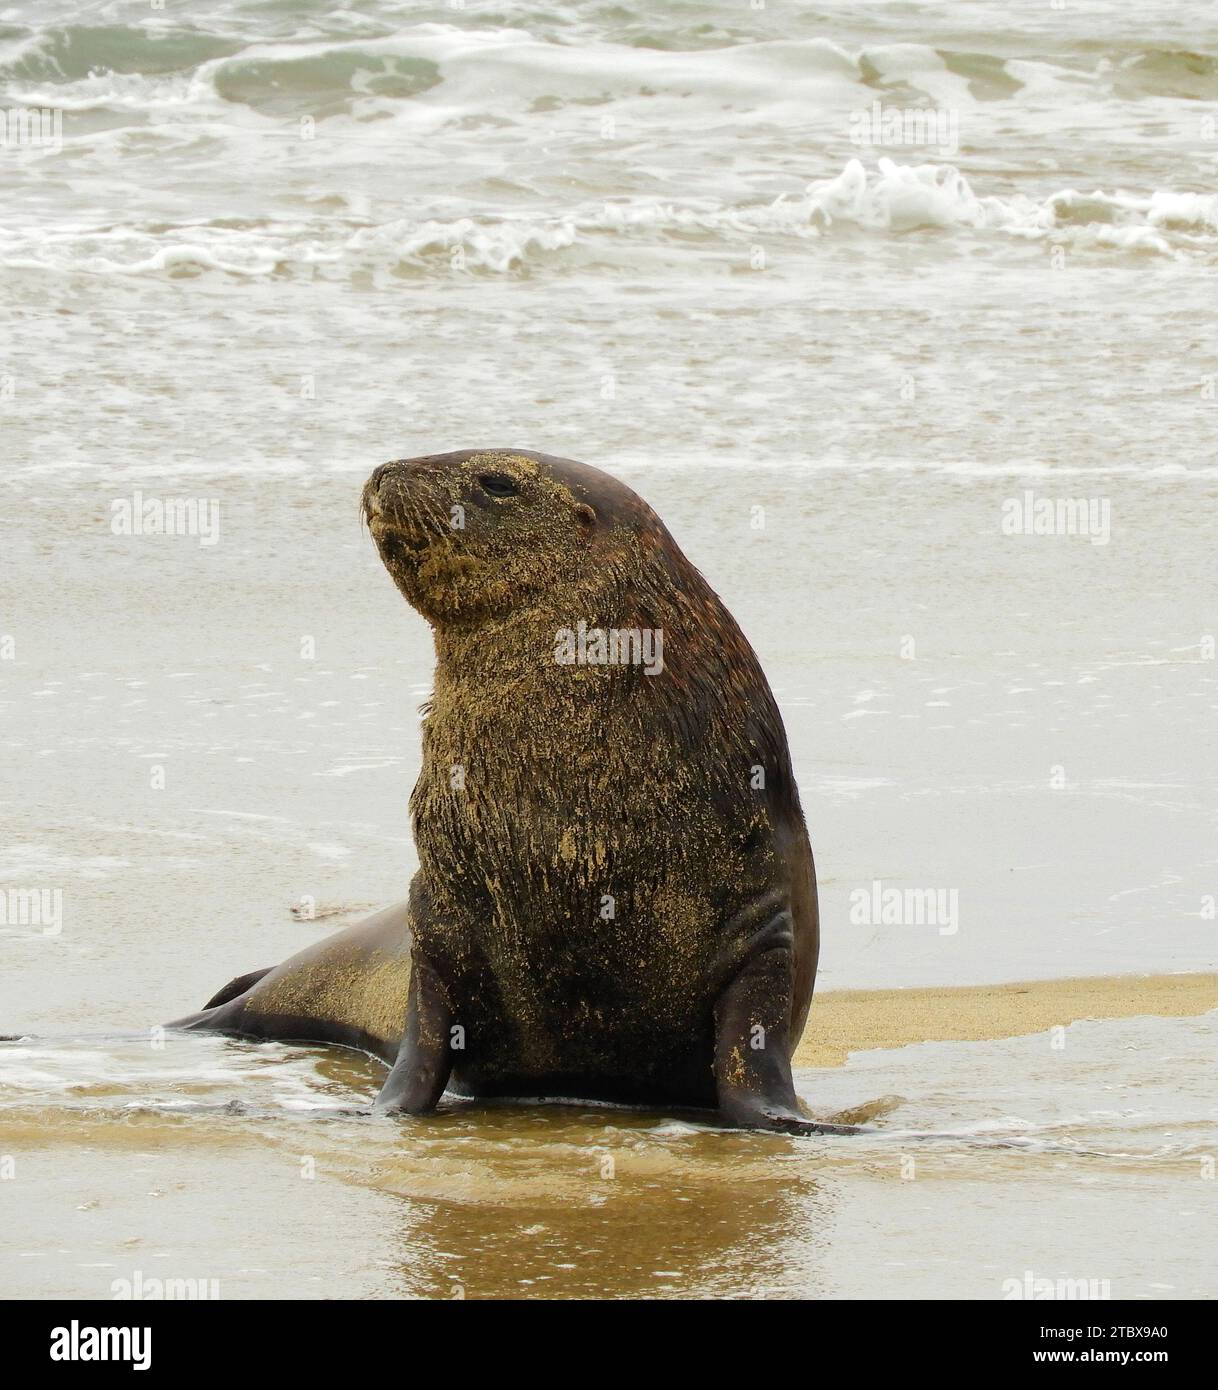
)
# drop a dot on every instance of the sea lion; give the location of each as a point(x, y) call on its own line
point(616, 899)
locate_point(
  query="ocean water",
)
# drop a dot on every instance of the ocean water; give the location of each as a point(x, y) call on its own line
point(247, 251)
point(274, 239)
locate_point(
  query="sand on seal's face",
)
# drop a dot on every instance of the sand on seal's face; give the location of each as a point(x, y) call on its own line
point(852, 1020)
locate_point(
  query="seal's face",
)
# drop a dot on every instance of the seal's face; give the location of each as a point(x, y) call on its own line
point(472, 536)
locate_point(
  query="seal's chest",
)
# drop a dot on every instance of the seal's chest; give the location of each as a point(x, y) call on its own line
point(580, 1016)
point(598, 959)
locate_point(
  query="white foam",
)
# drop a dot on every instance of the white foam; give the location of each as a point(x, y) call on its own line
point(892, 198)
point(25, 861)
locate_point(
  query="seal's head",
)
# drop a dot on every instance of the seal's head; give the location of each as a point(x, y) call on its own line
point(473, 536)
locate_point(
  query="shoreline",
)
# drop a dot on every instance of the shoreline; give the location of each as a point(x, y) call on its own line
point(859, 1020)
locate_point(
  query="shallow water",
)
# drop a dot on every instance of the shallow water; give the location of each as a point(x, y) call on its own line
point(989, 1163)
point(266, 247)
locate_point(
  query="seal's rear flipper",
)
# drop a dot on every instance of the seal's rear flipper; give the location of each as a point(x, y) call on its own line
point(236, 987)
point(350, 988)
point(213, 1017)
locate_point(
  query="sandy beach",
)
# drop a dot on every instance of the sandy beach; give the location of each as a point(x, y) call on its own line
point(852, 1020)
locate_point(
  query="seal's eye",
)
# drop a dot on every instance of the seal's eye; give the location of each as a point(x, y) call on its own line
point(498, 485)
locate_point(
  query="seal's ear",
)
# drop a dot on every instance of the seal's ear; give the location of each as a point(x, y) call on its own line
point(585, 518)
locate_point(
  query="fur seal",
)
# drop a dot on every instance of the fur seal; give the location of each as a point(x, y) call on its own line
point(616, 898)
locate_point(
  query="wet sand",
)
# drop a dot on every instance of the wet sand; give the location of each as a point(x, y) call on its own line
point(1084, 1157)
point(855, 1020)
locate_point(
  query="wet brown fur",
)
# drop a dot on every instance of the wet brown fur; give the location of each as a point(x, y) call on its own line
point(585, 781)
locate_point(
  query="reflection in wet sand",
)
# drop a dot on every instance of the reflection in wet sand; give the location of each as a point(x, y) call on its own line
point(575, 1208)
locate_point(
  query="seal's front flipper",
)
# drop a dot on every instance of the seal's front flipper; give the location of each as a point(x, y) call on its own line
point(420, 1073)
point(753, 1042)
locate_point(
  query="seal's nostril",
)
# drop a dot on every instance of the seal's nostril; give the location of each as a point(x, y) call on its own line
point(378, 473)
